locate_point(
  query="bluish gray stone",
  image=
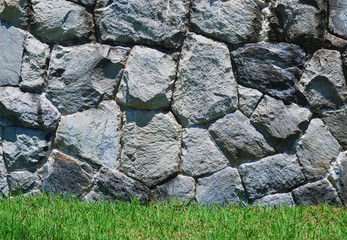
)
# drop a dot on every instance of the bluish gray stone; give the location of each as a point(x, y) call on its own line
point(181, 188)
point(337, 17)
point(336, 121)
point(248, 100)
point(275, 200)
point(338, 176)
point(21, 181)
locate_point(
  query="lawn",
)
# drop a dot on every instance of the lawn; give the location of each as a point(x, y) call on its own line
point(43, 217)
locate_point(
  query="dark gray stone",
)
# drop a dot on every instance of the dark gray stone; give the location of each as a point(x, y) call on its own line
point(337, 17)
point(338, 176)
point(4, 190)
point(15, 12)
point(248, 100)
point(336, 121)
point(181, 188)
point(21, 181)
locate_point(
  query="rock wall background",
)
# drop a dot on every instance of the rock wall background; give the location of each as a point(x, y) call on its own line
point(202, 100)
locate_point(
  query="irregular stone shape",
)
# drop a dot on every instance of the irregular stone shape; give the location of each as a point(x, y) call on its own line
point(92, 135)
point(4, 191)
point(21, 181)
point(81, 76)
point(214, 18)
point(87, 3)
point(34, 66)
point(200, 155)
point(25, 148)
point(276, 200)
point(270, 68)
point(15, 12)
point(151, 146)
point(336, 121)
point(11, 49)
point(322, 82)
point(272, 174)
point(337, 17)
point(181, 188)
point(280, 123)
point(156, 22)
point(61, 21)
point(27, 109)
point(113, 185)
point(223, 187)
point(148, 79)
point(64, 174)
point(301, 22)
point(248, 100)
point(238, 139)
point(333, 42)
point(339, 176)
point(316, 150)
point(317, 192)
point(205, 88)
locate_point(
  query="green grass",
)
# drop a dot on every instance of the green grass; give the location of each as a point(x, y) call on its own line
point(44, 217)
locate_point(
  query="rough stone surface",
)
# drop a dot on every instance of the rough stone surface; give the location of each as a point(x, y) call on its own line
point(270, 68)
point(25, 148)
point(322, 82)
point(15, 12)
point(337, 17)
point(34, 66)
point(113, 185)
point(181, 188)
point(4, 190)
point(275, 200)
point(156, 22)
point(317, 192)
point(272, 174)
point(223, 187)
point(61, 21)
point(316, 150)
point(148, 79)
point(238, 139)
point(232, 21)
point(81, 76)
point(200, 155)
point(248, 100)
point(339, 176)
point(64, 174)
point(334, 42)
point(11, 49)
point(336, 121)
point(205, 88)
point(27, 109)
point(151, 146)
point(92, 135)
point(21, 181)
point(88, 3)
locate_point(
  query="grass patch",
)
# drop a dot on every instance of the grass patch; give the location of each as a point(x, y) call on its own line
point(44, 217)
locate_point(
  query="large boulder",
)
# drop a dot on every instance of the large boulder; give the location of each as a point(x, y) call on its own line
point(181, 188)
point(15, 12)
point(337, 17)
point(336, 121)
point(205, 88)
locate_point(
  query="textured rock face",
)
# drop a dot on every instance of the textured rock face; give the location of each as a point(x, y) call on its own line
point(337, 17)
point(205, 88)
point(339, 176)
point(336, 121)
point(160, 23)
point(270, 68)
point(92, 134)
point(151, 146)
point(276, 200)
point(148, 79)
point(21, 181)
point(248, 100)
point(88, 3)
point(214, 18)
point(181, 188)
point(4, 189)
point(15, 12)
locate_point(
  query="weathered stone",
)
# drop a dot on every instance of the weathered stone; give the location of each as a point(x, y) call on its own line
point(25, 148)
point(200, 155)
point(11, 49)
point(155, 22)
point(301, 22)
point(21, 181)
point(316, 150)
point(113, 185)
point(317, 192)
point(205, 88)
point(151, 145)
point(238, 139)
point(223, 187)
point(248, 100)
point(15, 12)
point(275, 200)
point(92, 135)
point(270, 68)
point(148, 79)
point(61, 21)
point(339, 176)
point(232, 21)
point(337, 17)
point(64, 174)
point(334, 42)
point(34, 66)
point(181, 188)
point(81, 76)
point(272, 174)
point(88, 3)
point(27, 109)
point(4, 191)
point(336, 121)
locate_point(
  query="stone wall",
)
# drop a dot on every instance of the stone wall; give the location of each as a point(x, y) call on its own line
point(204, 100)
